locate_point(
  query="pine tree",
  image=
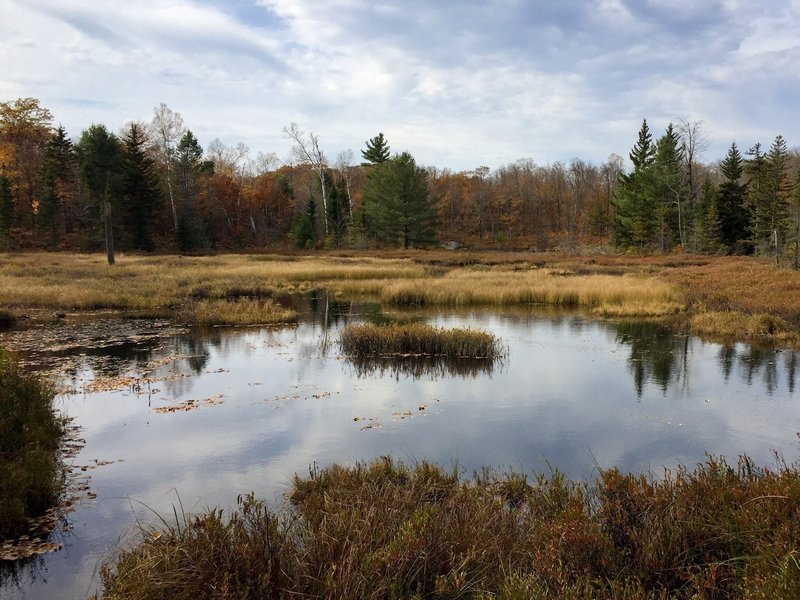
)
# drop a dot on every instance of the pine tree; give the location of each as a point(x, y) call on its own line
point(670, 191)
point(141, 196)
point(637, 217)
point(190, 169)
point(100, 165)
point(377, 151)
point(338, 208)
point(768, 195)
point(397, 204)
point(734, 217)
point(59, 159)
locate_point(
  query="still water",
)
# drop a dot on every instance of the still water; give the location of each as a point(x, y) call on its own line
point(572, 393)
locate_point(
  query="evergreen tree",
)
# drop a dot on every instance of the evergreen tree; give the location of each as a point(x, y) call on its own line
point(708, 228)
point(397, 204)
point(794, 231)
point(100, 165)
point(190, 169)
point(643, 153)
point(304, 229)
point(59, 159)
point(670, 191)
point(768, 195)
point(338, 207)
point(140, 186)
point(6, 208)
point(734, 217)
point(637, 216)
point(377, 150)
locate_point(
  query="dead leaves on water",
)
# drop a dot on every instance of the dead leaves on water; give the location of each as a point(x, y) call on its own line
point(188, 405)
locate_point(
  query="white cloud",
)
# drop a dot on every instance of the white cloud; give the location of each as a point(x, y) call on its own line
point(458, 85)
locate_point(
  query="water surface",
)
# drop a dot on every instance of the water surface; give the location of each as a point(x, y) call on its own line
point(573, 393)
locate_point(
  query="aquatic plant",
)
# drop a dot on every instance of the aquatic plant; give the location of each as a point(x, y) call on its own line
point(31, 478)
point(388, 530)
point(418, 339)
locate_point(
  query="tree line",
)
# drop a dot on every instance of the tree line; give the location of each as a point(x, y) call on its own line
point(159, 189)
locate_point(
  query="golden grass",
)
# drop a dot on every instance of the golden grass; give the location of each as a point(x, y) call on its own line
point(418, 339)
point(739, 325)
point(156, 284)
point(626, 295)
point(237, 312)
point(609, 286)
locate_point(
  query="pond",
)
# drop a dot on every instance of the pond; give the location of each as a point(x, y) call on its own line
point(181, 419)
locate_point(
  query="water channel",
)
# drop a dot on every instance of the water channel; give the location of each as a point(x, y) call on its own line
point(573, 393)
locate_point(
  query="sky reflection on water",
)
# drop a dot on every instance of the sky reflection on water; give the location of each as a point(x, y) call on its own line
point(572, 393)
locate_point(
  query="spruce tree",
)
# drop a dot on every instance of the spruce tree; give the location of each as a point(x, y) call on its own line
point(734, 217)
point(670, 189)
point(768, 196)
point(100, 166)
point(377, 150)
point(637, 216)
point(141, 196)
point(59, 159)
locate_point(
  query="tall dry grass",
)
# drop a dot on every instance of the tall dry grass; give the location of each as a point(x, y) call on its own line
point(386, 530)
point(164, 283)
point(620, 295)
point(417, 339)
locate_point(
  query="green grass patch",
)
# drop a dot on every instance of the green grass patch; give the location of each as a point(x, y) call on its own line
point(387, 530)
point(31, 478)
point(415, 339)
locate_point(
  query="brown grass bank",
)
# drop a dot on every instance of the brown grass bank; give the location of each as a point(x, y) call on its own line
point(385, 530)
point(734, 294)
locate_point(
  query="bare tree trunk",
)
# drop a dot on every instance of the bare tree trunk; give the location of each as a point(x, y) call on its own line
point(109, 234)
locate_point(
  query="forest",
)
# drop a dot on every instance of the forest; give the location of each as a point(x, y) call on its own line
point(151, 186)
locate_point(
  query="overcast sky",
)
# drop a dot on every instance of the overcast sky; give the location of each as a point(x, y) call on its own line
point(457, 83)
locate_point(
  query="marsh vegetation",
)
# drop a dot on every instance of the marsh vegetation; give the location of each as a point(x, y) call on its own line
point(388, 530)
point(31, 477)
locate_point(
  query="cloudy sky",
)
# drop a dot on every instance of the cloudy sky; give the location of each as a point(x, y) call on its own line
point(457, 83)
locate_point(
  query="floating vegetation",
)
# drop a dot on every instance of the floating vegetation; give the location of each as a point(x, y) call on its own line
point(188, 405)
point(415, 339)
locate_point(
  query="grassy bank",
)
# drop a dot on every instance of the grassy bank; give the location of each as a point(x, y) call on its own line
point(385, 530)
point(31, 479)
point(234, 285)
point(416, 339)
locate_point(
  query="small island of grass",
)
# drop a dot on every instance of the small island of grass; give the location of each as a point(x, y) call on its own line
point(417, 339)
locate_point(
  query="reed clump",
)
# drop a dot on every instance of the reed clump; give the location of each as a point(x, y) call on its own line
point(236, 312)
point(418, 339)
point(388, 530)
point(31, 479)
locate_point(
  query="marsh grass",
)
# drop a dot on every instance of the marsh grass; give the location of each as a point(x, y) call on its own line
point(167, 284)
point(733, 324)
point(387, 530)
point(628, 295)
point(418, 339)
point(243, 311)
point(31, 478)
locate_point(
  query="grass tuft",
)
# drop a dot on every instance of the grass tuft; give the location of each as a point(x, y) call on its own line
point(388, 530)
point(416, 339)
point(31, 479)
point(243, 311)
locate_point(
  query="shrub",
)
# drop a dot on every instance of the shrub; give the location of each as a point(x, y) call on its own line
point(31, 479)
